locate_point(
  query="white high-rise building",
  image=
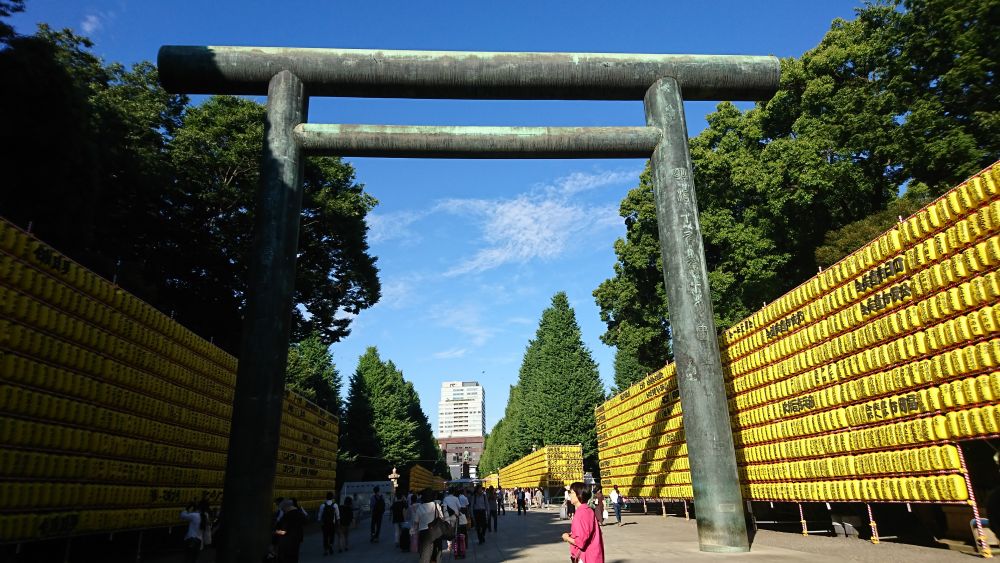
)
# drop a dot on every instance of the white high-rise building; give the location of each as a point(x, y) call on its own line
point(462, 410)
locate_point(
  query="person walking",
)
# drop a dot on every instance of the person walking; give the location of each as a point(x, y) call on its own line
point(452, 511)
point(376, 507)
point(586, 544)
point(494, 504)
point(396, 512)
point(329, 517)
point(423, 514)
point(599, 508)
point(290, 532)
point(480, 508)
point(519, 495)
point(616, 503)
point(502, 500)
point(538, 498)
point(197, 521)
point(346, 519)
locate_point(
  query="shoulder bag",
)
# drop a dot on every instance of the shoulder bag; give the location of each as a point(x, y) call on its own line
point(440, 529)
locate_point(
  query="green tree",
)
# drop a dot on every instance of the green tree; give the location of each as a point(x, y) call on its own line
point(878, 104)
point(216, 153)
point(561, 384)
point(390, 422)
point(312, 374)
point(633, 303)
point(429, 452)
point(141, 187)
point(357, 427)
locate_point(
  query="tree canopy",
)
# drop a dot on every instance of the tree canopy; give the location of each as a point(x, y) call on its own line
point(900, 99)
point(384, 424)
point(143, 187)
point(312, 374)
point(557, 389)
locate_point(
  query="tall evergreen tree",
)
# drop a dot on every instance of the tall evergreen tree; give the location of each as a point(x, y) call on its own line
point(394, 429)
point(357, 427)
point(429, 452)
point(561, 383)
point(311, 373)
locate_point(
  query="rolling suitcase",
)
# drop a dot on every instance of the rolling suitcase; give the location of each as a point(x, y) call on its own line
point(458, 546)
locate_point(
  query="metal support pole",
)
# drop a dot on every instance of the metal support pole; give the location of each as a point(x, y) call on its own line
point(138, 548)
point(717, 496)
point(802, 520)
point(260, 380)
point(687, 515)
point(982, 545)
point(871, 522)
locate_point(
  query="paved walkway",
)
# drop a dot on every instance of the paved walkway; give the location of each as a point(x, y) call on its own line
point(535, 537)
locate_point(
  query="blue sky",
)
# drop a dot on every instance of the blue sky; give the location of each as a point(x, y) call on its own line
point(470, 251)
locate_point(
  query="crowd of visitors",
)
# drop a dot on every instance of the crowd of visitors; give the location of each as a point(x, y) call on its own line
point(428, 524)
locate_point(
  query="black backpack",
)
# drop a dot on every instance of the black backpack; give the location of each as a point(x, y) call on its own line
point(379, 505)
point(329, 516)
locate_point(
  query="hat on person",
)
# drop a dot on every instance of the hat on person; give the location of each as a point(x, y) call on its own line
point(286, 505)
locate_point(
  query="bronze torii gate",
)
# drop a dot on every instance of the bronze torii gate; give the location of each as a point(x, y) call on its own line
point(289, 76)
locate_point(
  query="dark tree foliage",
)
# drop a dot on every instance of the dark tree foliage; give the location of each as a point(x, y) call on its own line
point(8, 8)
point(139, 186)
point(311, 373)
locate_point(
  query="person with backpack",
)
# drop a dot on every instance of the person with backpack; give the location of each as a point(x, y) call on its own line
point(346, 519)
point(329, 516)
point(377, 508)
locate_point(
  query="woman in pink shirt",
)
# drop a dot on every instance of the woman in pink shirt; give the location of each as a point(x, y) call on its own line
point(586, 545)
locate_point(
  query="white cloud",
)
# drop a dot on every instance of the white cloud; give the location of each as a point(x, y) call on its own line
point(518, 230)
point(449, 354)
point(521, 321)
point(465, 319)
point(583, 181)
point(384, 227)
point(400, 291)
point(542, 224)
point(91, 24)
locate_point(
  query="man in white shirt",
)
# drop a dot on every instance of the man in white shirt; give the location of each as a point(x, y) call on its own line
point(616, 499)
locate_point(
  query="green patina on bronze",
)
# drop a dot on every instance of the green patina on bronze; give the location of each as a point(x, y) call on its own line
point(461, 74)
point(418, 141)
